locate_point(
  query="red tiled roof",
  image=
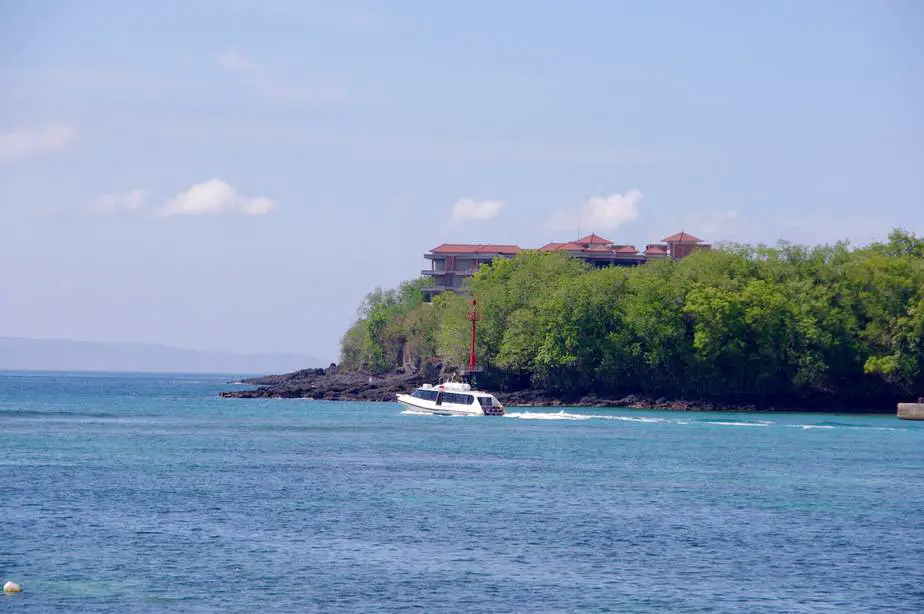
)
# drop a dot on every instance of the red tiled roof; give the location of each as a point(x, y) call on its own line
point(596, 248)
point(656, 249)
point(682, 237)
point(562, 247)
point(468, 248)
point(625, 249)
point(593, 239)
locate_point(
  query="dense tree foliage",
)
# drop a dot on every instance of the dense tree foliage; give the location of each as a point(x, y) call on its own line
point(737, 321)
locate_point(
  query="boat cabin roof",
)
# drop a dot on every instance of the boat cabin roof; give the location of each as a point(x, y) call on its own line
point(457, 388)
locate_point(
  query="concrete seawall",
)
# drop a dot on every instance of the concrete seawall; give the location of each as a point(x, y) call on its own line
point(911, 411)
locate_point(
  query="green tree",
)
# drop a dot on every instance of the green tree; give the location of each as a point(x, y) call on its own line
point(739, 320)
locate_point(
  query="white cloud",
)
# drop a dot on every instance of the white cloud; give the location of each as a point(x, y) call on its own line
point(275, 89)
point(599, 213)
point(114, 202)
point(215, 196)
point(23, 143)
point(467, 208)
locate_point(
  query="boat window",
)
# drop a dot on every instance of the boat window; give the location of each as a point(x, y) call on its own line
point(458, 399)
point(486, 401)
point(427, 395)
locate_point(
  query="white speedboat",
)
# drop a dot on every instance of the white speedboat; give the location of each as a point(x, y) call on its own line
point(451, 399)
point(454, 398)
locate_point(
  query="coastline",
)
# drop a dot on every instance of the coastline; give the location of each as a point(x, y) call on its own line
point(331, 385)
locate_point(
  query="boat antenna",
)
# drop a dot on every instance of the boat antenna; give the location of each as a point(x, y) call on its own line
point(473, 316)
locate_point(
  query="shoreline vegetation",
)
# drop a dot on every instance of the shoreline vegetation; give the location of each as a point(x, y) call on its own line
point(738, 327)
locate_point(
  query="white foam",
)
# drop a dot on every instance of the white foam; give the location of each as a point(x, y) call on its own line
point(528, 415)
point(635, 419)
point(732, 423)
point(842, 426)
point(562, 415)
point(411, 412)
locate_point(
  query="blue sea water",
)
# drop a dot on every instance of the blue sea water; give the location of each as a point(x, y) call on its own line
point(133, 493)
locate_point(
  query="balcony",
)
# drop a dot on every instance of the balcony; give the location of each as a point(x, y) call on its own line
point(467, 272)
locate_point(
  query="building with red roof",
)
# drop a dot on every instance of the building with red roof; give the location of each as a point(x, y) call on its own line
point(452, 263)
point(683, 244)
point(481, 248)
point(598, 251)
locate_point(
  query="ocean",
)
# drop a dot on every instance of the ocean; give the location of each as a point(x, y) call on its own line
point(148, 493)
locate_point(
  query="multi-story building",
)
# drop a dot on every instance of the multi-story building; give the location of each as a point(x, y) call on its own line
point(451, 263)
point(598, 251)
point(683, 244)
point(601, 252)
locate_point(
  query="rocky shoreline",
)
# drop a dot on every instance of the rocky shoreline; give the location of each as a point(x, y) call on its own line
point(331, 385)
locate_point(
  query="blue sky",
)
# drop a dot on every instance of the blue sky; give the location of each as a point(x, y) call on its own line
point(237, 174)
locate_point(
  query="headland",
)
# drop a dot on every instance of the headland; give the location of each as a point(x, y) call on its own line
point(334, 384)
point(735, 327)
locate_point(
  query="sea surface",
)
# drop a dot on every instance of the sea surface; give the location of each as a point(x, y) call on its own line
point(148, 493)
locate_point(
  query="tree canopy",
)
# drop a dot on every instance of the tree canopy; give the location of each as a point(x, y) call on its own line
point(736, 321)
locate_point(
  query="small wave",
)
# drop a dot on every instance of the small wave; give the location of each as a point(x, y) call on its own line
point(563, 415)
point(848, 425)
point(411, 412)
point(31, 413)
point(841, 425)
point(635, 419)
point(528, 415)
point(737, 423)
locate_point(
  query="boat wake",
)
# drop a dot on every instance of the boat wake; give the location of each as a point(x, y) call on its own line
point(563, 415)
point(737, 422)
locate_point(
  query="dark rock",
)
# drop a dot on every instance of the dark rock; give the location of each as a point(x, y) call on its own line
point(333, 384)
point(329, 384)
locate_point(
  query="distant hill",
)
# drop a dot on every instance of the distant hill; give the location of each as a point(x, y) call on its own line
point(20, 354)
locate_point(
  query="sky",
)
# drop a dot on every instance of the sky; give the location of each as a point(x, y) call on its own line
point(236, 175)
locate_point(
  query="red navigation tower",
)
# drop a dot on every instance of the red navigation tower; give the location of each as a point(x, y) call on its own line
point(473, 316)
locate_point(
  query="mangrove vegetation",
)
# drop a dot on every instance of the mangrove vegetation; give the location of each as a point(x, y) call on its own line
point(820, 323)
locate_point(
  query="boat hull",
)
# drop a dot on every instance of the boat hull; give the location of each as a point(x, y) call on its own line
point(429, 407)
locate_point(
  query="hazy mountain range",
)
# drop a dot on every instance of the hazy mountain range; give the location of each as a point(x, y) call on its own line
point(65, 355)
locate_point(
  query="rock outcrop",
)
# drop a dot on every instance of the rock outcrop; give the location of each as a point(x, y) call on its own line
point(328, 384)
point(333, 385)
